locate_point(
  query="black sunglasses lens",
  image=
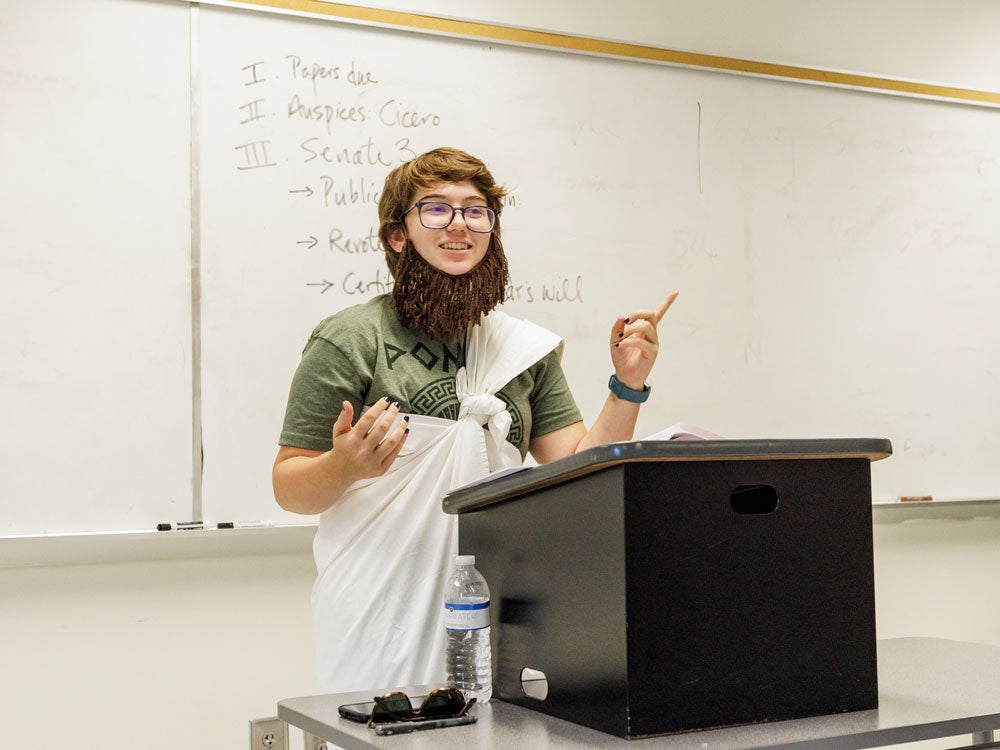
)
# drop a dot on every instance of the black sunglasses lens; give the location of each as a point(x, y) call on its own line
point(442, 703)
point(392, 707)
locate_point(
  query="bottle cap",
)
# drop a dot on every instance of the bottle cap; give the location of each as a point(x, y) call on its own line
point(465, 559)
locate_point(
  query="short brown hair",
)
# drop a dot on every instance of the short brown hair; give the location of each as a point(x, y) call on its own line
point(444, 164)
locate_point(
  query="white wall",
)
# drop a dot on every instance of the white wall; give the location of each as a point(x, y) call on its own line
point(935, 41)
point(181, 653)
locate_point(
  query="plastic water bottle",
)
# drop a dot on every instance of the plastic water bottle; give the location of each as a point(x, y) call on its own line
point(467, 624)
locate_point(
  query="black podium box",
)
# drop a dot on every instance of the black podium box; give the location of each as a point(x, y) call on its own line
point(657, 587)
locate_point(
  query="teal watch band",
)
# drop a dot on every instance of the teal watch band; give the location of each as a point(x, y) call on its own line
point(627, 394)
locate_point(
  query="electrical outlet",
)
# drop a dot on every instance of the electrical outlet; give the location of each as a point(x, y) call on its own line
point(312, 742)
point(268, 734)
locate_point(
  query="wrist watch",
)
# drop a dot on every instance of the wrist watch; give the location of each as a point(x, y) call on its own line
point(625, 393)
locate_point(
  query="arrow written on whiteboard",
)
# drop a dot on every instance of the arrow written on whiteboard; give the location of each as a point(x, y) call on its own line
point(307, 190)
point(325, 284)
point(311, 242)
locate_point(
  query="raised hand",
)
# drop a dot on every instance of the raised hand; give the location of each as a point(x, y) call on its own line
point(635, 344)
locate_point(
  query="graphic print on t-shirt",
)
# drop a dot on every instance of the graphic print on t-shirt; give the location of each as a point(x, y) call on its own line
point(445, 360)
point(438, 399)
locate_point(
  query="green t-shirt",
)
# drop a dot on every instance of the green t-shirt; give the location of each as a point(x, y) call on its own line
point(363, 353)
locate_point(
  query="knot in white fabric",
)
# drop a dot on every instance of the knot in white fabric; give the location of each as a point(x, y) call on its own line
point(484, 408)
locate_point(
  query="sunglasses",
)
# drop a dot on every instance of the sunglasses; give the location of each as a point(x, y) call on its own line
point(443, 703)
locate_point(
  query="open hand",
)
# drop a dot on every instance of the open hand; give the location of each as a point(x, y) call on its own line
point(368, 448)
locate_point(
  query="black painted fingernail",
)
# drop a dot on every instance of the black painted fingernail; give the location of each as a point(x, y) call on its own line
point(396, 404)
point(621, 334)
point(407, 431)
point(406, 418)
point(616, 346)
point(386, 399)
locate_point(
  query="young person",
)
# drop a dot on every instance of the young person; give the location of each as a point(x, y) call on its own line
point(399, 400)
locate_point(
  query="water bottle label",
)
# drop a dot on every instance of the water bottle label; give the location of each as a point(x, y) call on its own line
point(467, 616)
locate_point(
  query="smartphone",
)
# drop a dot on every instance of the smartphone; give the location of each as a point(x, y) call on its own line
point(360, 712)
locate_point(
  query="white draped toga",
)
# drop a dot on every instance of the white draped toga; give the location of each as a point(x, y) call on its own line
point(383, 551)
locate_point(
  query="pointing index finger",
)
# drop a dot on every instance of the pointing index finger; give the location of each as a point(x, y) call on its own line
point(665, 305)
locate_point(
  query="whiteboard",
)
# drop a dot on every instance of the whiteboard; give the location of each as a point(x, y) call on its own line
point(835, 250)
point(95, 266)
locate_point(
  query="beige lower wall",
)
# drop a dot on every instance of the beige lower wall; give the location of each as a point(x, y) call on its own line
point(939, 578)
point(157, 655)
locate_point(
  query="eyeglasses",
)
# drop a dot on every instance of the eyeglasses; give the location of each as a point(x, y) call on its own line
point(443, 703)
point(435, 215)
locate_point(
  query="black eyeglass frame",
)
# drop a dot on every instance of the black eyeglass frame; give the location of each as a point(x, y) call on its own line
point(452, 704)
point(491, 212)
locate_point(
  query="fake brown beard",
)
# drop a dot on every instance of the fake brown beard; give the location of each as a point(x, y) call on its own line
point(445, 306)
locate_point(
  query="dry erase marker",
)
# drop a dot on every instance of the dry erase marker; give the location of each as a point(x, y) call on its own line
point(182, 526)
point(252, 524)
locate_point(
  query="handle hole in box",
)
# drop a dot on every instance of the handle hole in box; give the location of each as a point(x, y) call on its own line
point(754, 499)
point(534, 684)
